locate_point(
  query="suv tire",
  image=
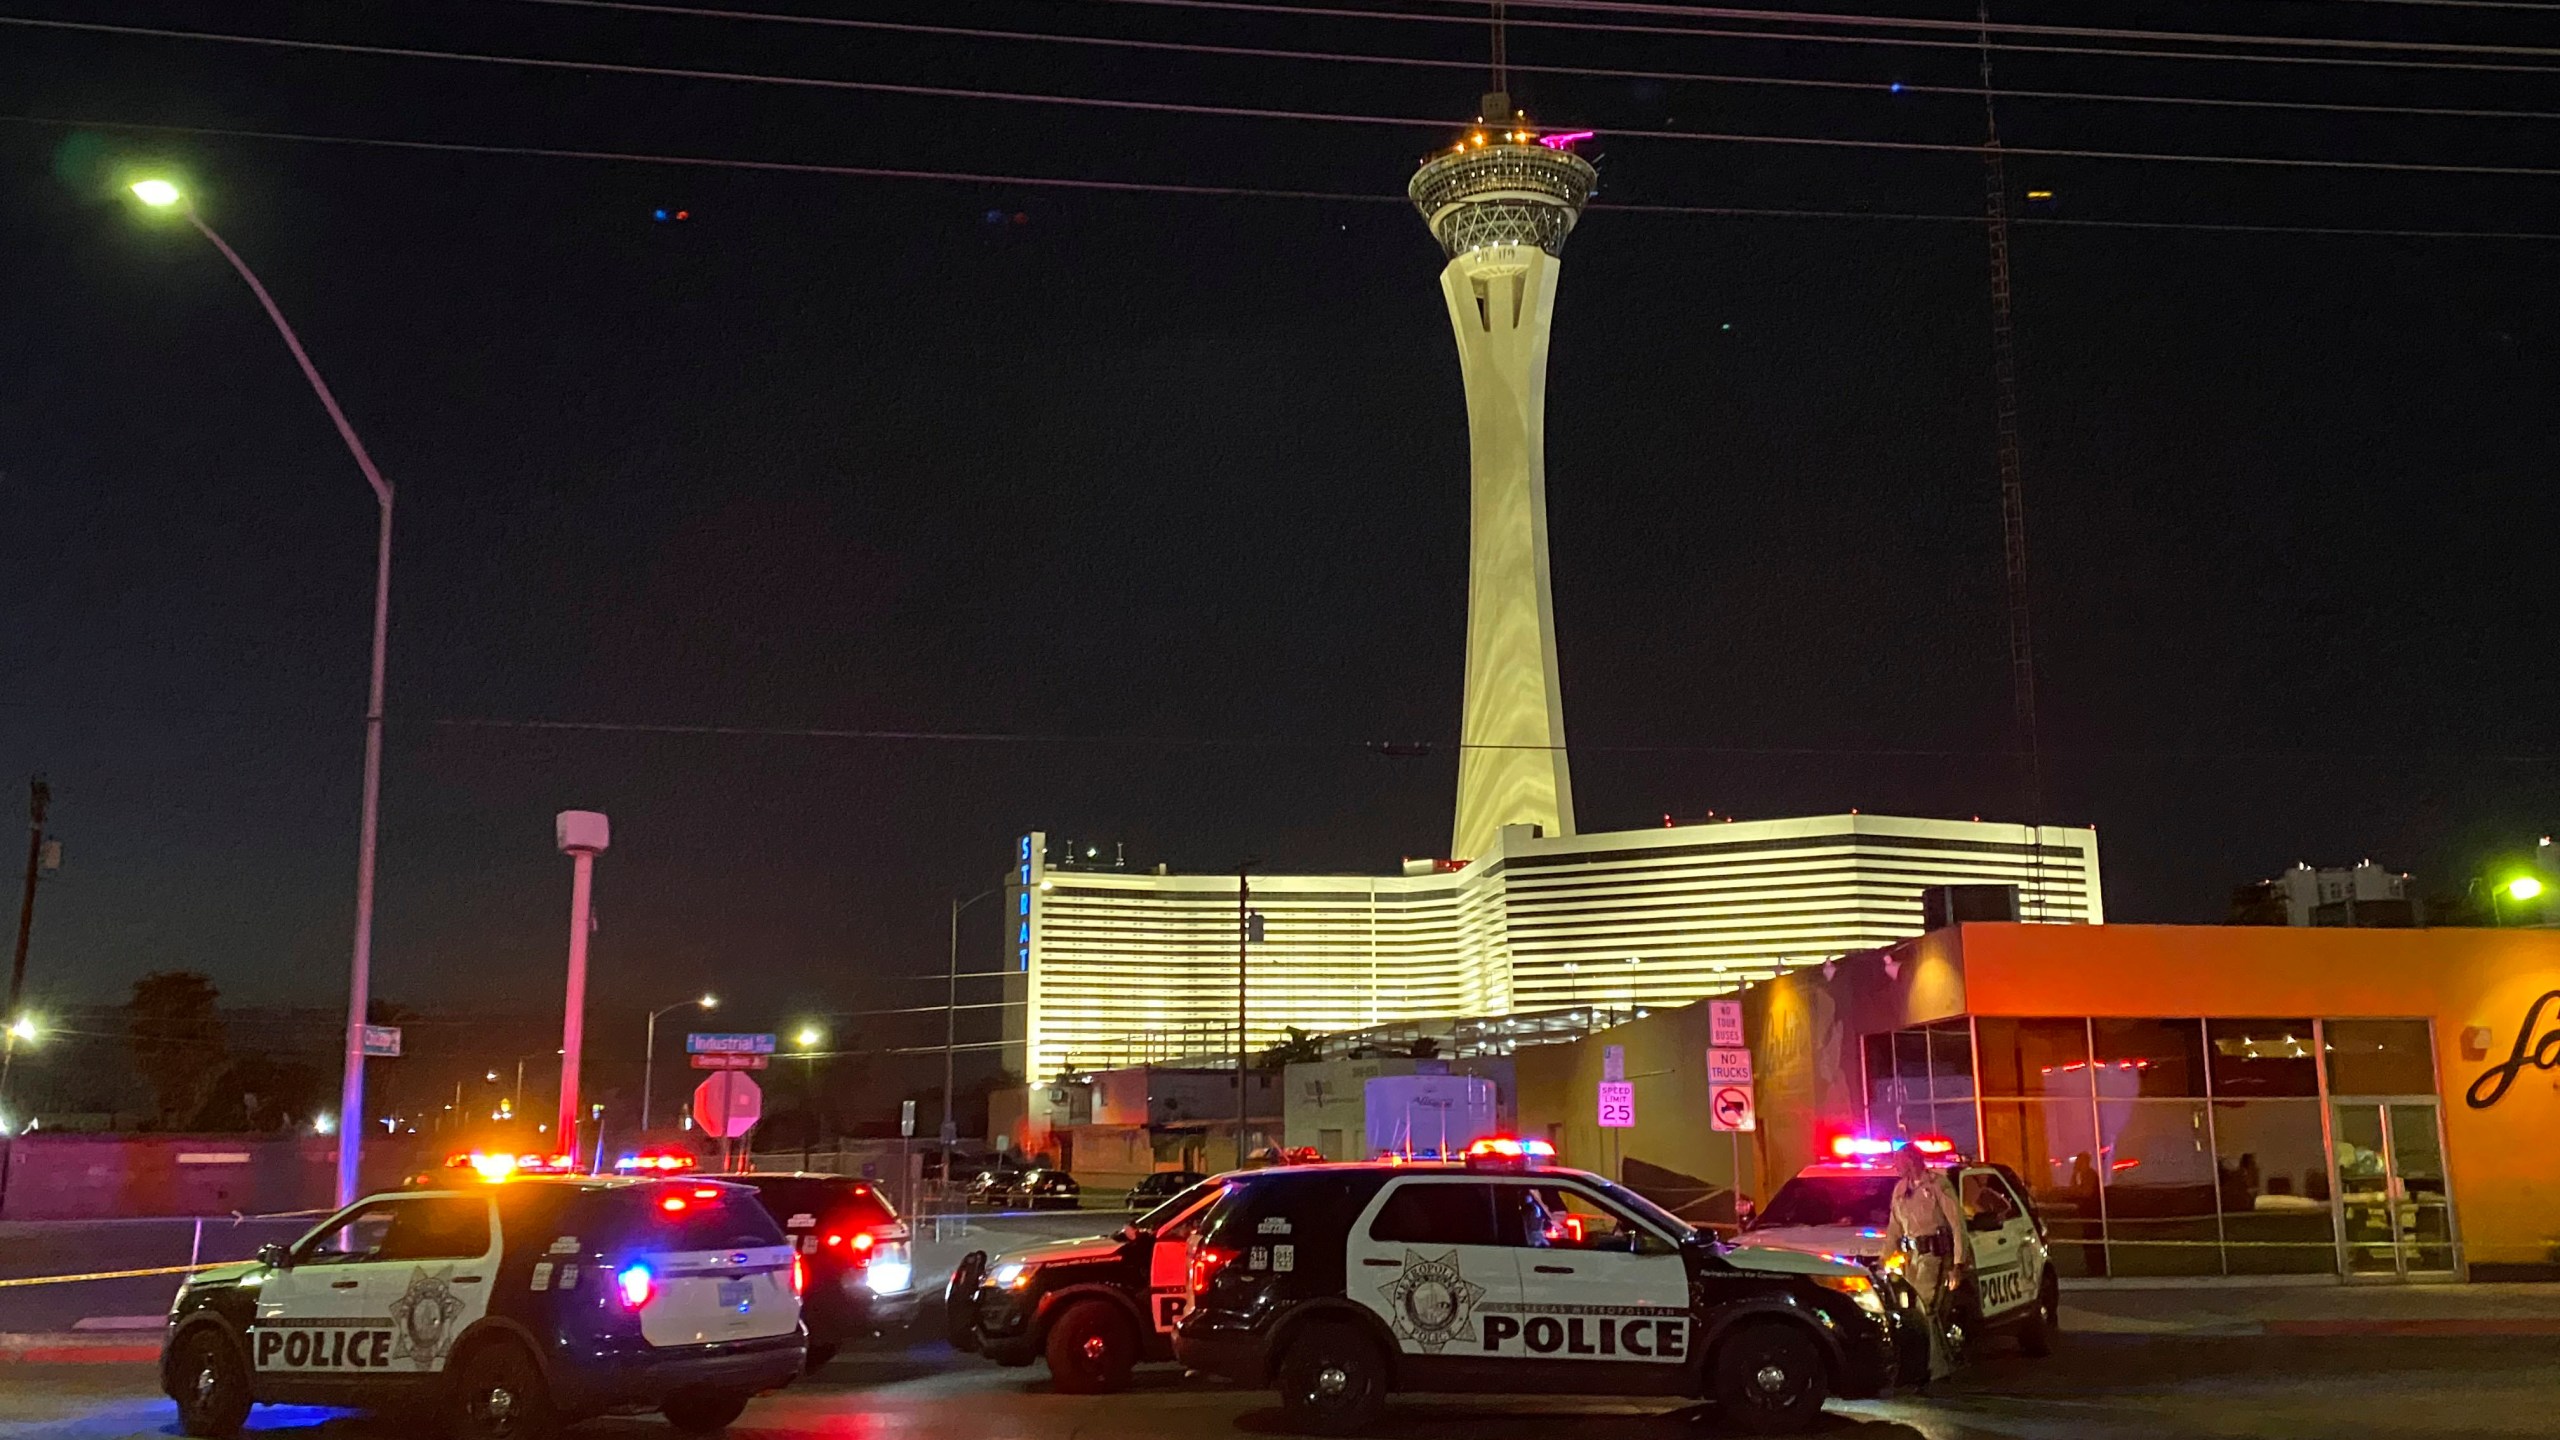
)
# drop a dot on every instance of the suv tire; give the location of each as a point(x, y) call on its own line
point(1092, 1348)
point(1332, 1381)
point(960, 1301)
point(2043, 1324)
point(1768, 1379)
point(211, 1381)
point(704, 1412)
point(498, 1394)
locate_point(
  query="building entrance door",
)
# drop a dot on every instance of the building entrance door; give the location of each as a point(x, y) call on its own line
point(2395, 1209)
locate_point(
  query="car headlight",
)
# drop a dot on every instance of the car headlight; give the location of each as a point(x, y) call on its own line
point(1011, 1275)
point(1857, 1287)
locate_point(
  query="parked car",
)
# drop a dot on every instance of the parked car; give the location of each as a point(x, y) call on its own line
point(1048, 1190)
point(1336, 1285)
point(861, 1276)
point(1163, 1185)
point(993, 1186)
point(1092, 1307)
point(500, 1311)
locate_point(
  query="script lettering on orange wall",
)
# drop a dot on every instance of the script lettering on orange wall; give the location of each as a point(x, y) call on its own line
point(2541, 1054)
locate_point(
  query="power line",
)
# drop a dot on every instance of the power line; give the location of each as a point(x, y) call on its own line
point(1596, 72)
point(1249, 112)
point(2072, 32)
point(1825, 38)
point(1154, 187)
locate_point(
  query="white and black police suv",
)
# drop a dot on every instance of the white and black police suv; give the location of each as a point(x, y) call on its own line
point(1093, 1308)
point(1336, 1285)
point(1839, 1207)
point(504, 1310)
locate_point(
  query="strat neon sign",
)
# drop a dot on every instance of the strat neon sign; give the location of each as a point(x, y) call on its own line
point(1558, 142)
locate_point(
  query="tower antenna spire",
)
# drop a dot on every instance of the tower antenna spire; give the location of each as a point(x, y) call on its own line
point(1501, 57)
point(2013, 503)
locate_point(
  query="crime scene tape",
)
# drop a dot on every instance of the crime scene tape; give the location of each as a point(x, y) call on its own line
point(113, 1274)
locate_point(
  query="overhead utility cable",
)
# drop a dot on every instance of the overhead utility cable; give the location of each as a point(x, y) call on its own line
point(1249, 112)
point(1596, 72)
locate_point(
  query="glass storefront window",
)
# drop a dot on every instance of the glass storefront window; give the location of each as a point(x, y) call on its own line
point(2052, 1145)
point(2033, 1059)
point(1951, 1062)
point(1881, 1090)
point(2255, 1058)
point(2380, 1057)
point(1911, 1064)
point(2273, 1182)
point(2159, 1173)
point(2156, 1059)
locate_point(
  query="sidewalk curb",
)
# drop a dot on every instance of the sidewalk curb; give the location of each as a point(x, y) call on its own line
point(2480, 1327)
point(69, 1348)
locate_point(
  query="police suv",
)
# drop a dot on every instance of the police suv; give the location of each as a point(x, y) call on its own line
point(1840, 1208)
point(1338, 1284)
point(505, 1310)
point(1093, 1308)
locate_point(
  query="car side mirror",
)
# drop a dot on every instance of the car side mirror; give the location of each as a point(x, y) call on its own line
point(274, 1256)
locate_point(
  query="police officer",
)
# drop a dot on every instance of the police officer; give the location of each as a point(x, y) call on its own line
point(1927, 1225)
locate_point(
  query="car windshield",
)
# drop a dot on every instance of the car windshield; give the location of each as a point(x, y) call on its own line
point(1861, 1201)
point(1646, 1210)
point(1171, 1210)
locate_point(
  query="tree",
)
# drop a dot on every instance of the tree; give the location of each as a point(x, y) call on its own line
point(176, 1039)
point(261, 1094)
point(1297, 1047)
point(1425, 1048)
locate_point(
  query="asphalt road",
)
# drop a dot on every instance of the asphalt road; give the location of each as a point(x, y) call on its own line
point(2096, 1388)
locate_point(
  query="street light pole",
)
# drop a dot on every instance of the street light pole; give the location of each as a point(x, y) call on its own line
point(161, 194)
point(951, 1024)
point(649, 1052)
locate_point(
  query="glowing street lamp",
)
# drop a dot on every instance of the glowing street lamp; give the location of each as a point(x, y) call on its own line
point(162, 194)
point(807, 1039)
point(649, 1061)
point(2523, 887)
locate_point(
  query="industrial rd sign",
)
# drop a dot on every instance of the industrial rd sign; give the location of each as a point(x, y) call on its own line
point(728, 1104)
point(382, 1041)
point(1728, 1067)
point(1617, 1105)
point(1724, 1024)
point(700, 1043)
point(1729, 1107)
point(730, 1060)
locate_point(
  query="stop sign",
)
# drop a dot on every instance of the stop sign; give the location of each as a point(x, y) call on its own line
point(728, 1104)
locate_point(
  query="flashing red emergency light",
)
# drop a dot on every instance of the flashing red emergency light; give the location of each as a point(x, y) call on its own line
point(496, 1166)
point(1504, 1147)
point(1870, 1147)
point(658, 1162)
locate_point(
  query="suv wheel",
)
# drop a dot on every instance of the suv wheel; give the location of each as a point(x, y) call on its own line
point(1769, 1379)
point(1332, 1381)
point(212, 1384)
point(2043, 1324)
point(704, 1412)
point(1092, 1348)
point(960, 1301)
point(498, 1394)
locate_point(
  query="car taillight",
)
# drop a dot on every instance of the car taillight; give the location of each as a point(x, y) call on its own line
point(636, 1285)
point(799, 1276)
point(1206, 1262)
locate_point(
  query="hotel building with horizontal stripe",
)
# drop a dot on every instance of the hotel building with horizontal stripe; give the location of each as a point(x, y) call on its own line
point(1116, 968)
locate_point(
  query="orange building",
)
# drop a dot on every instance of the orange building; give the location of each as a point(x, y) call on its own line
point(2183, 1100)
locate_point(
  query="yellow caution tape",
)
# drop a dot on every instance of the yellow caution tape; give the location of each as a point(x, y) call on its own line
point(113, 1274)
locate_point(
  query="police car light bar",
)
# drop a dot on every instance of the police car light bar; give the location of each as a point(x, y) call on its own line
point(1503, 1147)
point(1869, 1147)
point(663, 1162)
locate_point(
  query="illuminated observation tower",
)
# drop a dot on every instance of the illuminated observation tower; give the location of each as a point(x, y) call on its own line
point(1501, 204)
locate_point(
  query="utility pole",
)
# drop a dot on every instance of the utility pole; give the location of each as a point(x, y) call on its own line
point(1244, 929)
point(39, 799)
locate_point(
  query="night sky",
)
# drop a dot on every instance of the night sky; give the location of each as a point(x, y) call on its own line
point(1177, 485)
